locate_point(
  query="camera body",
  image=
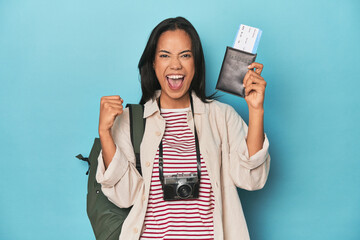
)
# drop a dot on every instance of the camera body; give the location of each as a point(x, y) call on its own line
point(181, 186)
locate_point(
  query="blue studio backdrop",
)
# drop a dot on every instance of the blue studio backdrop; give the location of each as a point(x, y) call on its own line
point(57, 58)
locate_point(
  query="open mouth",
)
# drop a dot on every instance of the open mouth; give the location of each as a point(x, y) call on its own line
point(175, 81)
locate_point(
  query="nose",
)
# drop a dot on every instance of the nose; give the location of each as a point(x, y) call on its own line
point(175, 63)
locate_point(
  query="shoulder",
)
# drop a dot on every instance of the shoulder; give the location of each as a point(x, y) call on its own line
point(214, 109)
point(221, 109)
point(218, 105)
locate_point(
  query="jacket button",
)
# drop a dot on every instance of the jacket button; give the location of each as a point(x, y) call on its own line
point(158, 133)
point(148, 164)
point(135, 230)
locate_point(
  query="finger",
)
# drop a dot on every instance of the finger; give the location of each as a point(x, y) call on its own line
point(112, 101)
point(254, 73)
point(116, 107)
point(115, 111)
point(110, 106)
point(249, 74)
point(258, 67)
point(254, 78)
point(108, 102)
point(251, 87)
point(114, 97)
point(246, 78)
point(258, 88)
point(118, 111)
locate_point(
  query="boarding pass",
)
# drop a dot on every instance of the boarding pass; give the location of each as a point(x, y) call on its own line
point(247, 39)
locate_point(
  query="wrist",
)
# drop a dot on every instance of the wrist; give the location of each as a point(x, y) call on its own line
point(256, 111)
point(105, 133)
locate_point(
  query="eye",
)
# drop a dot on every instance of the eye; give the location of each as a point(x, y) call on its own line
point(164, 55)
point(186, 55)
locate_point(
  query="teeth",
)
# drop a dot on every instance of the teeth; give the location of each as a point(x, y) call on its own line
point(175, 76)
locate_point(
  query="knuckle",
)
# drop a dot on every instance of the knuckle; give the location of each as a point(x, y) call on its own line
point(103, 99)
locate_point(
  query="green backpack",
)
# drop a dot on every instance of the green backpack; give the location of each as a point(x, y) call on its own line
point(105, 217)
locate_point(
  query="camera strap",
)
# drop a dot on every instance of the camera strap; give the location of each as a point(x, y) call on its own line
point(161, 163)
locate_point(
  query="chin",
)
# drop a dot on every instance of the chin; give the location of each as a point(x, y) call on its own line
point(178, 95)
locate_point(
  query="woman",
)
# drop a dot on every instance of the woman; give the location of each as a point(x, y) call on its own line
point(195, 136)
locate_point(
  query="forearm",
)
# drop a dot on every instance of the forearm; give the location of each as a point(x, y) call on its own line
point(255, 136)
point(108, 147)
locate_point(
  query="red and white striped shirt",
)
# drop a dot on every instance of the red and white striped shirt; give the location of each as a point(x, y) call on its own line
point(180, 219)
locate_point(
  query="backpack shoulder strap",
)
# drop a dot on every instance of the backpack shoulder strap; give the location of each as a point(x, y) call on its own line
point(137, 127)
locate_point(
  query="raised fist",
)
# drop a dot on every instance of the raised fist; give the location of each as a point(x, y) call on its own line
point(110, 107)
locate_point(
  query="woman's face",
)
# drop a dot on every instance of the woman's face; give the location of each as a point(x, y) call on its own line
point(174, 67)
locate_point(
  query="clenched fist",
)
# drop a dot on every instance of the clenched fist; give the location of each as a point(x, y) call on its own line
point(110, 107)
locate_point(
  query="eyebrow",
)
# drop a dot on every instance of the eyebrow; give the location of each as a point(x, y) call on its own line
point(170, 53)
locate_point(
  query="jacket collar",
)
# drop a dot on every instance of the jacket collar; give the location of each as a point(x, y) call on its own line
point(151, 105)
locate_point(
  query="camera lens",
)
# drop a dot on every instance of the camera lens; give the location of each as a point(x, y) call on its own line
point(184, 191)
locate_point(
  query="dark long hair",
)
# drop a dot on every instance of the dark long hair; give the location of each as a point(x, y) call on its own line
point(149, 81)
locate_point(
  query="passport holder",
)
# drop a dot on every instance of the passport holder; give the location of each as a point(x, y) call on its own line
point(233, 70)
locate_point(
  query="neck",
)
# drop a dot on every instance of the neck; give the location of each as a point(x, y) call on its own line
point(170, 103)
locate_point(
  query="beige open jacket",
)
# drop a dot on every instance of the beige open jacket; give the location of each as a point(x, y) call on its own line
point(222, 136)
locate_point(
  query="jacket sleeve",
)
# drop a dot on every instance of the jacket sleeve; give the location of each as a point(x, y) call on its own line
point(120, 182)
point(249, 173)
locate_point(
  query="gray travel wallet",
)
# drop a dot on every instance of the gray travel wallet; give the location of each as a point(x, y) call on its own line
point(233, 70)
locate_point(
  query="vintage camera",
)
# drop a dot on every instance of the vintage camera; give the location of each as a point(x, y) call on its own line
point(181, 186)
